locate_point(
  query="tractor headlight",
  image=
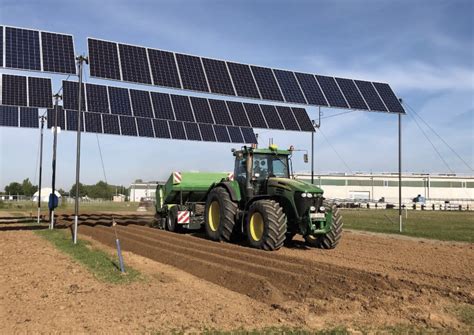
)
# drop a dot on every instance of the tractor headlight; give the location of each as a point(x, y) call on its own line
point(303, 195)
point(312, 209)
point(322, 209)
point(309, 195)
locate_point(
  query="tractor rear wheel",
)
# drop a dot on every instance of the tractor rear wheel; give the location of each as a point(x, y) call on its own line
point(219, 215)
point(330, 239)
point(266, 225)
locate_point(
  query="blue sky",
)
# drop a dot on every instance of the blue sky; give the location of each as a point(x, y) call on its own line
point(424, 49)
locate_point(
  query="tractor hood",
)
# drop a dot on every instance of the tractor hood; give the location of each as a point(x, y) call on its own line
point(294, 185)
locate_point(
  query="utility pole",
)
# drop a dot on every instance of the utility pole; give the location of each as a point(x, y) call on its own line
point(80, 62)
point(42, 119)
point(400, 170)
point(55, 144)
point(312, 152)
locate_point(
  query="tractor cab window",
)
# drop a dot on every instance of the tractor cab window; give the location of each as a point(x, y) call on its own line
point(240, 169)
point(265, 166)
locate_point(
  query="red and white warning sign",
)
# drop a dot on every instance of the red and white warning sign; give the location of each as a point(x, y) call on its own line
point(177, 177)
point(184, 216)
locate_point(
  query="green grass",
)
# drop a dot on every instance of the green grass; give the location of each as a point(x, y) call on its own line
point(103, 266)
point(277, 330)
point(439, 225)
point(465, 313)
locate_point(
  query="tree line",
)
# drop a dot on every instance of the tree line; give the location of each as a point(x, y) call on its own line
point(100, 190)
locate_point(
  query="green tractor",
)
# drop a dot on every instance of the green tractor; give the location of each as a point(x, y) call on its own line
point(258, 201)
point(262, 203)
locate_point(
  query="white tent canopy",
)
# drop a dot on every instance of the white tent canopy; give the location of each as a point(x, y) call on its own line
point(45, 192)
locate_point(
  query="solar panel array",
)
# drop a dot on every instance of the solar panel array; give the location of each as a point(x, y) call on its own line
point(26, 91)
point(22, 117)
point(111, 60)
point(138, 126)
point(34, 50)
point(137, 103)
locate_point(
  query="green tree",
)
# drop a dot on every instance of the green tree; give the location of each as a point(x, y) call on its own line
point(28, 188)
point(82, 190)
point(13, 188)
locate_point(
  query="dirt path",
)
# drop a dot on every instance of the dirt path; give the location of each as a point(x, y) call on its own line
point(368, 280)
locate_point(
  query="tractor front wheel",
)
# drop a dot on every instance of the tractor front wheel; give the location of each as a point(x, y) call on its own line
point(330, 239)
point(219, 215)
point(266, 225)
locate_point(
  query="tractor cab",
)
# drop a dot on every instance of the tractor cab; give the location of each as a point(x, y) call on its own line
point(253, 168)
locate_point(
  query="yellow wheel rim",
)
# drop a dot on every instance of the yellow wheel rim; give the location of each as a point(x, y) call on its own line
point(214, 215)
point(256, 226)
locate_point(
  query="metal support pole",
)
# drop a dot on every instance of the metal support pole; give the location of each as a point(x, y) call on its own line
point(55, 144)
point(42, 118)
point(400, 171)
point(80, 62)
point(312, 155)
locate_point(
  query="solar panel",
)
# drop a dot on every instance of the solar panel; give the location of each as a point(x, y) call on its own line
point(163, 68)
point(8, 116)
point(220, 112)
point(389, 98)
point(207, 132)
point(370, 95)
point(243, 80)
point(311, 89)
point(134, 64)
point(162, 106)
point(141, 103)
point(40, 93)
point(29, 117)
point(182, 108)
point(303, 119)
point(128, 126)
point(119, 101)
point(332, 92)
point(201, 109)
point(103, 59)
point(218, 76)
point(287, 117)
point(97, 98)
point(249, 135)
point(58, 53)
point(192, 73)
point(1, 46)
point(14, 90)
point(161, 128)
point(71, 120)
point(222, 135)
point(22, 49)
point(235, 134)
point(61, 117)
point(289, 86)
point(93, 122)
point(267, 83)
point(350, 91)
point(145, 127)
point(177, 130)
point(111, 124)
point(192, 131)
point(237, 112)
point(271, 116)
point(255, 115)
point(70, 95)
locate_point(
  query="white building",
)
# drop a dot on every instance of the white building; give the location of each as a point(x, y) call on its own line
point(45, 192)
point(362, 186)
point(142, 190)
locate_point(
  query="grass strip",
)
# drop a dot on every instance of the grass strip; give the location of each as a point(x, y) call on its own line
point(101, 264)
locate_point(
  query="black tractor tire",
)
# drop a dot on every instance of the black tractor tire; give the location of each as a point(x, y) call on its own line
point(219, 215)
point(268, 231)
point(332, 238)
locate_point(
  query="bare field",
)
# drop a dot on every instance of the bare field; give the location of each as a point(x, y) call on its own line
point(370, 282)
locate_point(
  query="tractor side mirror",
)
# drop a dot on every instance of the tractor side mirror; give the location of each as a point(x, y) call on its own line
point(305, 158)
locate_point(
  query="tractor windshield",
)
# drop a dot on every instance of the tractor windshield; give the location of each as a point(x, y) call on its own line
point(268, 165)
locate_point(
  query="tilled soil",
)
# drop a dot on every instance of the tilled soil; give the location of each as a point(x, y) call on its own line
point(368, 280)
